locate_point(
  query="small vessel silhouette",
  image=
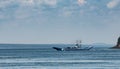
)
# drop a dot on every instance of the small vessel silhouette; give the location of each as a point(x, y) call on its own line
point(77, 47)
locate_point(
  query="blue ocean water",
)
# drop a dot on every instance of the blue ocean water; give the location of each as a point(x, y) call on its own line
point(42, 56)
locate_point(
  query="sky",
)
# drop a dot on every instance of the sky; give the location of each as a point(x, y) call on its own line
point(59, 21)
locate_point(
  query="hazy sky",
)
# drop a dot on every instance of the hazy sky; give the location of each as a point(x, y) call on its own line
point(59, 21)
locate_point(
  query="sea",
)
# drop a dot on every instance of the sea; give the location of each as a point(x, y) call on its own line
point(42, 56)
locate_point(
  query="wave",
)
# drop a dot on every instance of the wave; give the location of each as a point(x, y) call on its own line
point(26, 60)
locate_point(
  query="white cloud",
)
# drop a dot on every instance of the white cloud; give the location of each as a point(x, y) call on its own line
point(113, 3)
point(24, 8)
point(50, 2)
point(40, 2)
point(5, 3)
point(26, 2)
point(82, 2)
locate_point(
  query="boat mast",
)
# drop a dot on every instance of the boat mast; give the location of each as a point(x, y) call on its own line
point(78, 43)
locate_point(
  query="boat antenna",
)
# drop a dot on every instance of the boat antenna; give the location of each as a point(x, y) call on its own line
point(77, 43)
point(80, 43)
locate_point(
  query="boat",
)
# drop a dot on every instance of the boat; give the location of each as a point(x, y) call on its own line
point(77, 47)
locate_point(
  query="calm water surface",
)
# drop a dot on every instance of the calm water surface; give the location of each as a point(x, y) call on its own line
point(44, 57)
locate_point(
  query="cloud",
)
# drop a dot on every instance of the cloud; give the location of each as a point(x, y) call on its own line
point(40, 2)
point(66, 11)
point(50, 2)
point(26, 2)
point(82, 2)
point(5, 3)
point(24, 8)
point(113, 3)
